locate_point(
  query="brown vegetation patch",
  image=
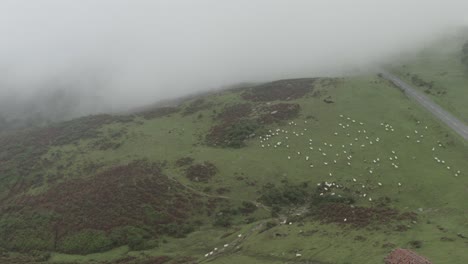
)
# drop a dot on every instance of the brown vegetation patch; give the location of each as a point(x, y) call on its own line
point(185, 161)
point(235, 112)
point(280, 90)
point(197, 105)
point(280, 112)
point(140, 260)
point(360, 216)
point(136, 194)
point(405, 256)
point(201, 172)
point(159, 112)
point(231, 134)
point(20, 152)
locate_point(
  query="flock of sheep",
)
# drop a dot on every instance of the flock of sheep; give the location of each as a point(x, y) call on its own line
point(329, 156)
point(332, 156)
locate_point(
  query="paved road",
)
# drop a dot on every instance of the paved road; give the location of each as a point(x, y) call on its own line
point(457, 125)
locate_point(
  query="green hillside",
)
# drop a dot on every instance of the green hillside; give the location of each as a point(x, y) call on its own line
point(323, 170)
point(441, 71)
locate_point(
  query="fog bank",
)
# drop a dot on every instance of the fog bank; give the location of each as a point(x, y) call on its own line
point(79, 57)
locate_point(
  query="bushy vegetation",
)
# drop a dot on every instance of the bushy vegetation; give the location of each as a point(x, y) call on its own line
point(232, 135)
point(416, 80)
point(27, 231)
point(86, 242)
point(286, 194)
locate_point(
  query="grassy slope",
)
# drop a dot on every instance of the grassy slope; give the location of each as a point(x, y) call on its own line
point(441, 63)
point(425, 183)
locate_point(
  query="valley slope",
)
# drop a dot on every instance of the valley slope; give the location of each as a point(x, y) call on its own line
point(322, 170)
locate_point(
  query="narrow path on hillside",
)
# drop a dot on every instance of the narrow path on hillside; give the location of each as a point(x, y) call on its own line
point(457, 125)
point(235, 245)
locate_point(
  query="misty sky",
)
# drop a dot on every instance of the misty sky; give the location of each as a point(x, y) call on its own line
point(116, 53)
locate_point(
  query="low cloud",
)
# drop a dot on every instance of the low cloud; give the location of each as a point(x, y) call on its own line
point(112, 55)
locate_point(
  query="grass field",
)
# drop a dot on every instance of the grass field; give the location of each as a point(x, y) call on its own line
point(441, 63)
point(398, 169)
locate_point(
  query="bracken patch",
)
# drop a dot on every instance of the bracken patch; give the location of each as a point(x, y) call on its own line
point(136, 194)
point(235, 112)
point(360, 216)
point(201, 172)
point(280, 90)
point(279, 112)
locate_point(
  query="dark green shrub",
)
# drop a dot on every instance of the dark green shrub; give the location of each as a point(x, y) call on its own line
point(86, 242)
